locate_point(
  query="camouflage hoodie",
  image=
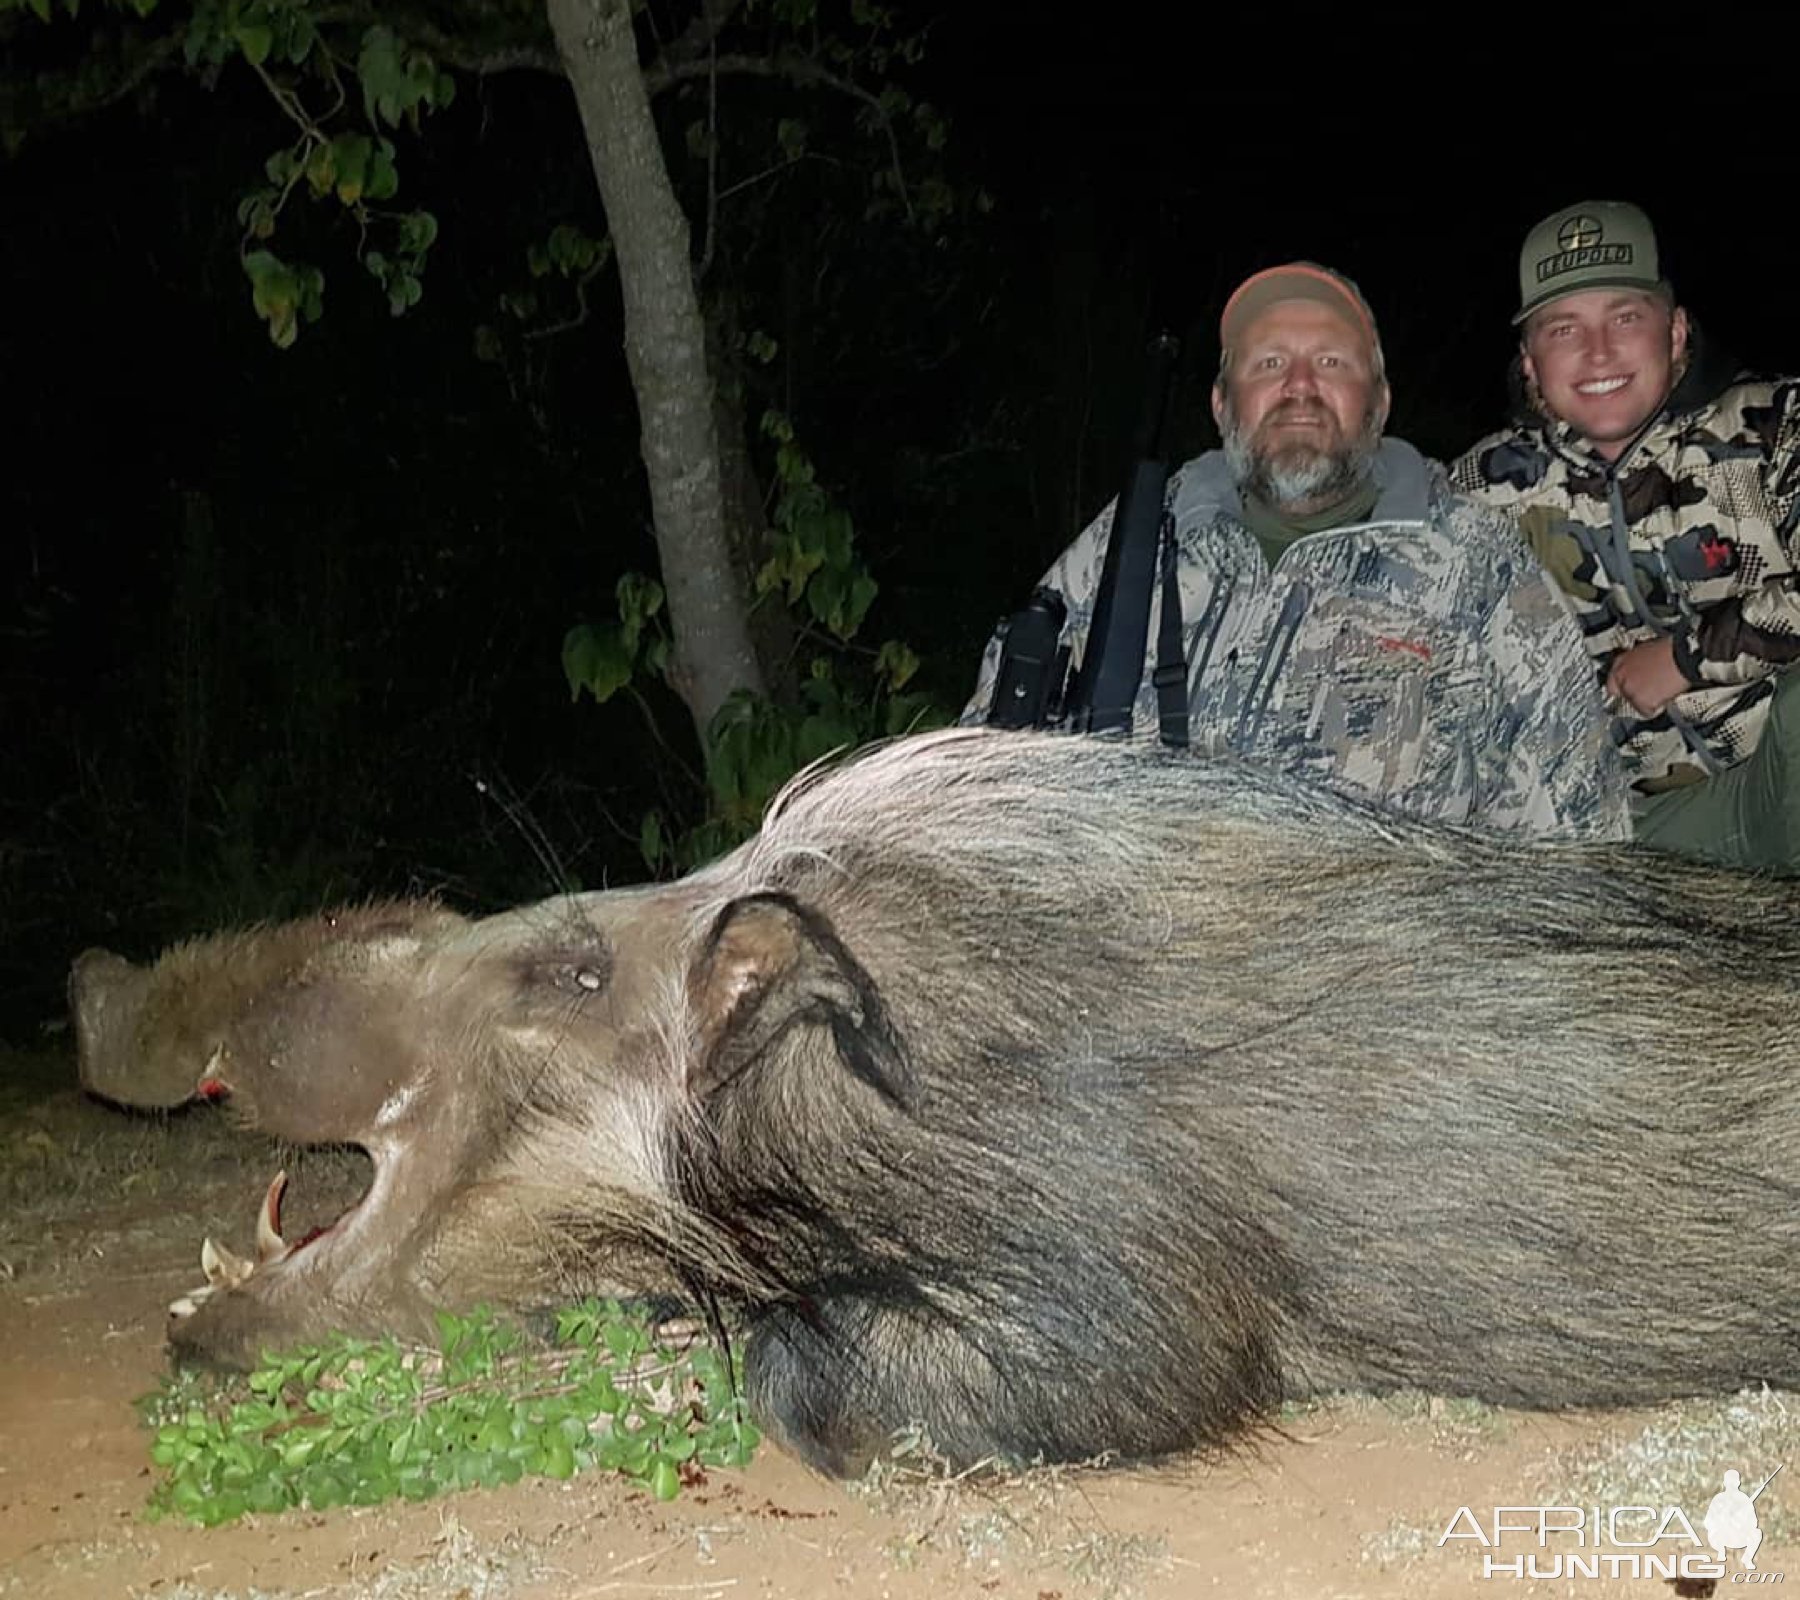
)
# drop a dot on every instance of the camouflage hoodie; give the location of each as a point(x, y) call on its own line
point(1420, 658)
point(1689, 535)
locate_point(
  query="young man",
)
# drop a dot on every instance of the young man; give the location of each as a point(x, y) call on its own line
point(1344, 614)
point(1661, 491)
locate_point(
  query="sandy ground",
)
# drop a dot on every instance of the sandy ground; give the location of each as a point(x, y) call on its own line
point(102, 1219)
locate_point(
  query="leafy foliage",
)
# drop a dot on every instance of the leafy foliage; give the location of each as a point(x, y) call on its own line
point(602, 658)
point(756, 743)
point(355, 1422)
point(304, 56)
point(359, 645)
point(814, 558)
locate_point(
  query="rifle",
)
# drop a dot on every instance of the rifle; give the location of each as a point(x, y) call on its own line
point(1029, 686)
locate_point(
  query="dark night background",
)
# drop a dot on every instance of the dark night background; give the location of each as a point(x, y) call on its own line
point(284, 626)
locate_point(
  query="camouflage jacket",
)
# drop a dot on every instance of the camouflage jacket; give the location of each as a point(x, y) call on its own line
point(1689, 535)
point(1421, 659)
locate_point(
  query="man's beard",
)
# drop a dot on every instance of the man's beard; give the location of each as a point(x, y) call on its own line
point(1299, 474)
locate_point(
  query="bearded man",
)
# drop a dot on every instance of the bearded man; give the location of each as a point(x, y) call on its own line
point(1346, 615)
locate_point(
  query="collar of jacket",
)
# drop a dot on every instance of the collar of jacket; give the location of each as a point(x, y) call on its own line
point(1402, 486)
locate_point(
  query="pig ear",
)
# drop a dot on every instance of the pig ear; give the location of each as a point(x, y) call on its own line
point(770, 965)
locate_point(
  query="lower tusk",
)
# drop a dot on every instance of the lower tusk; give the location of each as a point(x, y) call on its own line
point(223, 1268)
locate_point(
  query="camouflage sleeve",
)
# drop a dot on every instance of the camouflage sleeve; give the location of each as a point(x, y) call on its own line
point(1741, 638)
point(1559, 771)
point(1075, 576)
point(1466, 476)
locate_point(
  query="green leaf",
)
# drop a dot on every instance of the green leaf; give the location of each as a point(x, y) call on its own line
point(595, 658)
point(863, 590)
point(790, 134)
point(665, 1480)
point(792, 466)
point(418, 231)
point(383, 177)
point(302, 35)
point(321, 169)
point(383, 78)
point(650, 839)
point(559, 1458)
point(895, 664)
point(819, 736)
point(277, 293)
point(639, 597)
point(255, 40)
point(350, 160)
point(624, 1339)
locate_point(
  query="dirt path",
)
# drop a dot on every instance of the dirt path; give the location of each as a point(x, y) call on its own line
point(100, 1229)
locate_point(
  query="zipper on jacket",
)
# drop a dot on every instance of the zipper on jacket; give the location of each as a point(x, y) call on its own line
point(1268, 669)
point(1207, 630)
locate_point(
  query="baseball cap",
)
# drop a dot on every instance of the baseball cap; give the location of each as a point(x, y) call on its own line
point(1595, 244)
point(1296, 280)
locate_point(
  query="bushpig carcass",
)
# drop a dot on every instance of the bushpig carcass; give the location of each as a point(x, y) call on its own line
point(1067, 1096)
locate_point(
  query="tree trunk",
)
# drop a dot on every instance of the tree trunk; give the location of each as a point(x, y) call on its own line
point(665, 347)
point(772, 633)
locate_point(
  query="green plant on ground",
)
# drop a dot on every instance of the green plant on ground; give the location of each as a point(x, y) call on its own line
point(357, 1421)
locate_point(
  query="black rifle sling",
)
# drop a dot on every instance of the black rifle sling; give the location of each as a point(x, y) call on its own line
point(1120, 628)
point(1170, 676)
point(1112, 669)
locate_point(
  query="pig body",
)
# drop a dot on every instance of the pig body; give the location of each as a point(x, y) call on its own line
point(1065, 1096)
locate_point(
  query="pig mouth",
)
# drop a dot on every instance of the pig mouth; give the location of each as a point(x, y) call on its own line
point(224, 1270)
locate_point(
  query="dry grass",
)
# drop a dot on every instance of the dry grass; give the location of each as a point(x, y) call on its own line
point(1677, 1458)
point(991, 1516)
point(1680, 1455)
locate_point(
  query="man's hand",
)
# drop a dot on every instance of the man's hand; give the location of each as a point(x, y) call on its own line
point(1645, 677)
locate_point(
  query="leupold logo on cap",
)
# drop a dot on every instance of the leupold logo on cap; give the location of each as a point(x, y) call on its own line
point(1578, 246)
point(1580, 233)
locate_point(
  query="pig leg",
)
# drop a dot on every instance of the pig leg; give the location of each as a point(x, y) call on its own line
point(837, 1379)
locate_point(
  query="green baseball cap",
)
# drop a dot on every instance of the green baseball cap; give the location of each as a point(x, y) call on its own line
point(1594, 244)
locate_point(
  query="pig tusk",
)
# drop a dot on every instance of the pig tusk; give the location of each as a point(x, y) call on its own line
point(270, 1246)
point(211, 1086)
point(222, 1267)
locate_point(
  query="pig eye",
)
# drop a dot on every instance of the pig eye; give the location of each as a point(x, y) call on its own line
point(573, 974)
point(586, 977)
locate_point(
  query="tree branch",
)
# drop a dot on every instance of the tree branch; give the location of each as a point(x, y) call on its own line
point(698, 40)
point(53, 97)
point(801, 71)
